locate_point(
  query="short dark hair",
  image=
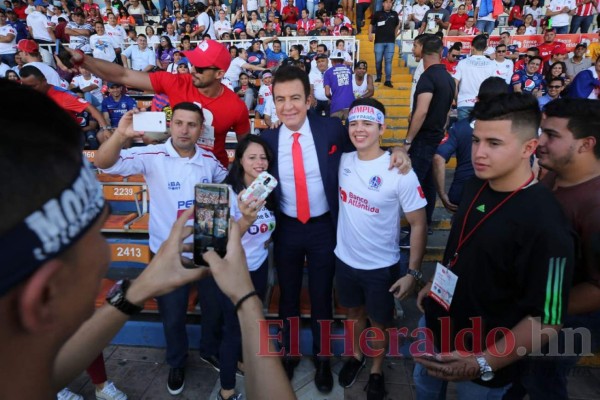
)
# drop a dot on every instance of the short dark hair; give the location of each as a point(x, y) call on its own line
point(432, 45)
point(534, 49)
point(189, 106)
point(522, 109)
point(583, 116)
point(500, 45)
point(456, 46)
point(30, 70)
point(492, 87)
point(535, 58)
point(291, 73)
point(37, 166)
point(479, 42)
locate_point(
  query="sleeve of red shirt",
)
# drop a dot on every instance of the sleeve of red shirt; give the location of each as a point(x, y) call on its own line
point(68, 101)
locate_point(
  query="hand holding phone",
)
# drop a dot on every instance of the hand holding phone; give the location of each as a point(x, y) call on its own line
point(150, 122)
point(260, 189)
point(211, 220)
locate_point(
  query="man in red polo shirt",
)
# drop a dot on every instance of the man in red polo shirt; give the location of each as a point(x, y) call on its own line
point(290, 14)
point(223, 109)
point(550, 45)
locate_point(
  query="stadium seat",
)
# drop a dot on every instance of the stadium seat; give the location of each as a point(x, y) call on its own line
point(127, 202)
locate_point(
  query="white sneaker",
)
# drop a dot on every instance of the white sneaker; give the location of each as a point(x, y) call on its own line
point(110, 392)
point(66, 394)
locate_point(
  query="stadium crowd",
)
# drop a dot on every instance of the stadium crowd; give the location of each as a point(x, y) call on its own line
point(523, 124)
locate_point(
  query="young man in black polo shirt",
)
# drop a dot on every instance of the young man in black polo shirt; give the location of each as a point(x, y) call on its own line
point(507, 266)
point(385, 24)
point(432, 100)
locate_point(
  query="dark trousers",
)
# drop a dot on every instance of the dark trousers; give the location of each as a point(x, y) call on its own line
point(323, 108)
point(314, 240)
point(421, 157)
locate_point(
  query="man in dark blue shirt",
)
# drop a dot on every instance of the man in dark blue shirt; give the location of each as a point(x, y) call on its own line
point(116, 104)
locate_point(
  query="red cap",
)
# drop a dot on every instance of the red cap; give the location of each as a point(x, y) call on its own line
point(560, 50)
point(28, 46)
point(209, 53)
point(340, 16)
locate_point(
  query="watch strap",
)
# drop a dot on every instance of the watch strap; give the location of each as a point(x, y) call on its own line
point(119, 300)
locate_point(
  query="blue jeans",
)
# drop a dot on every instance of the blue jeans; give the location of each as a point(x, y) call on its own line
point(561, 30)
point(8, 59)
point(421, 156)
point(463, 112)
point(430, 388)
point(485, 26)
point(581, 22)
point(381, 50)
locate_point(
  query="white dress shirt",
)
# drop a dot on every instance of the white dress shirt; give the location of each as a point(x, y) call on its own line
point(314, 182)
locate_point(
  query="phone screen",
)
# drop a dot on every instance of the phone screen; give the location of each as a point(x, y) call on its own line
point(211, 220)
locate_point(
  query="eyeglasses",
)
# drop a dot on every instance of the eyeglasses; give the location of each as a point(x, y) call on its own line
point(200, 70)
point(500, 51)
point(554, 86)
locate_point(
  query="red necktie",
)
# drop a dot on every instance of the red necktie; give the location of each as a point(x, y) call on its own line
point(302, 206)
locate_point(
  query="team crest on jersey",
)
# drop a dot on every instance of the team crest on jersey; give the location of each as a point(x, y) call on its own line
point(375, 182)
point(347, 171)
point(174, 186)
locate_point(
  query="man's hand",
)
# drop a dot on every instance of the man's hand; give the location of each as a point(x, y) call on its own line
point(125, 128)
point(451, 367)
point(447, 203)
point(165, 272)
point(403, 287)
point(400, 160)
point(371, 37)
point(423, 293)
point(275, 125)
point(231, 272)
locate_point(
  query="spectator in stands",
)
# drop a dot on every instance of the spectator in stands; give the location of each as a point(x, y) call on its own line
point(137, 11)
point(559, 54)
point(29, 53)
point(290, 15)
point(256, 55)
point(522, 63)
point(418, 13)
point(550, 45)
point(102, 44)
point(436, 19)
point(578, 62)
point(116, 32)
point(458, 21)
point(469, 29)
point(458, 142)
point(79, 32)
point(504, 66)
point(338, 86)
point(19, 26)
point(528, 80)
point(586, 84)
point(362, 82)
point(206, 24)
point(164, 53)
point(528, 23)
point(222, 25)
point(126, 21)
point(179, 61)
point(554, 87)
point(451, 60)
point(320, 102)
point(560, 10)
point(557, 70)
point(515, 15)
point(416, 52)
point(296, 56)
point(367, 271)
point(238, 65)
point(171, 33)
point(433, 95)
point(90, 87)
point(534, 7)
point(505, 138)
point(140, 57)
point(274, 56)
point(245, 90)
point(385, 25)
point(8, 43)
point(152, 38)
point(264, 92)
point(116, 104)
point(486, 22)
point(38, 24)
point(12, 75)
point(583, 17)
point(470, 73)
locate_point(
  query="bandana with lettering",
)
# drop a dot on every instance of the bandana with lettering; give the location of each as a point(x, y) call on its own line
point(366, 113)
point(51, 229)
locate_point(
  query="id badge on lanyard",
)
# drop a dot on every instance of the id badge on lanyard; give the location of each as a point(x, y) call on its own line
point(443, 285)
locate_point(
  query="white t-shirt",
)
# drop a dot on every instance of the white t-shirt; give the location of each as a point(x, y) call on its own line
point(209, 26)
point(418, 72)
point(4, 68)
point(263, 93)
point(221, 27)
point(39, 25)
point(153, 41)
point(504, 70)
point(406, 10)
point(253, 241)
point(419, 11)
point(557, 5)
point(316, 80)
point(170, 180)
point(8, 48)
point(103, 47)
point(538, 13)
point(471, 72)
point(372, 198)
point(117, 34)
point(50, 73)
point(270, 109)
point(80, 82)
point(235, 69)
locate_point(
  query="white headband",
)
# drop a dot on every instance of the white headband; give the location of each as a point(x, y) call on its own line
point(367, 113)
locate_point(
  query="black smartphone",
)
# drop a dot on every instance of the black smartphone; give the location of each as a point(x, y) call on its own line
point(211, 220)
point(63, 55)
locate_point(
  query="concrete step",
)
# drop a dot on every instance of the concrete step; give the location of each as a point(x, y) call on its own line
point(397, 110)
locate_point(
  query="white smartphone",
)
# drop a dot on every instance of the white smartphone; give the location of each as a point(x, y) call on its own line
point(262, 186)
point(150, 121)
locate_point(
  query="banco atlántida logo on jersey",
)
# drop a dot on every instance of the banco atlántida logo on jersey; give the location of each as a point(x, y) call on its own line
point(357, 201)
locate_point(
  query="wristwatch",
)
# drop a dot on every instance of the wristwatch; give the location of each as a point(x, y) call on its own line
point(116, 298)
point(418, 275)
point(485, 371)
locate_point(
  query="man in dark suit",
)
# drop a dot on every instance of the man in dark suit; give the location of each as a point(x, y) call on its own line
point(307, 152)
point(307, 155)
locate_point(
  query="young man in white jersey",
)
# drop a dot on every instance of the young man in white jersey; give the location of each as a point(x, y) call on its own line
point(372, 198)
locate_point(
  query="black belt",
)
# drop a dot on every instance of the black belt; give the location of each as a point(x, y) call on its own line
point(312, 219)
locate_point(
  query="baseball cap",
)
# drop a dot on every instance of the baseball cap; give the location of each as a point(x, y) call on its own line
point(313, 39)
point(28, 46)
point(209, 53)
point(560, 50)
point(321, 56)
point(40, 3)
point(183, 61)
point(113, 84)
point(340, 16)
point(337, 55)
